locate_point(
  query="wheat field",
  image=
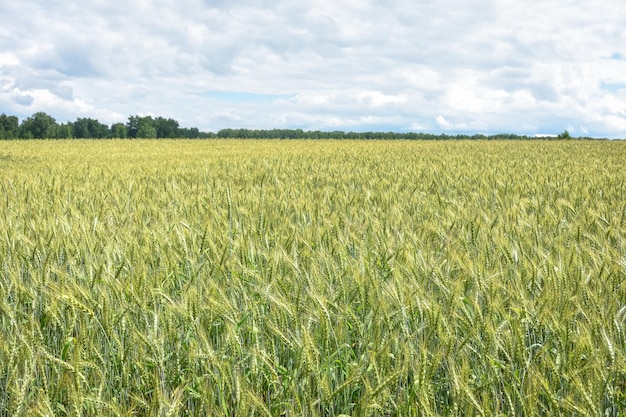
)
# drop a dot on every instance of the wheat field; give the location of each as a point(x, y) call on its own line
point(312, 278)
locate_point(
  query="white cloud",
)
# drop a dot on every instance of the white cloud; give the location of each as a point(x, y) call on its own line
point(453, 66)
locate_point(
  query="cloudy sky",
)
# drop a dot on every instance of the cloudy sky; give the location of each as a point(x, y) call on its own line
point(451, 66)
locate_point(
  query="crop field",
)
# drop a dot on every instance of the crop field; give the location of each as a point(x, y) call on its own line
point(312, 278)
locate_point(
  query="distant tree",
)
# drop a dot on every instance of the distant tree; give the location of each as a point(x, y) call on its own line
point(38, 126)
point(194, 133)
point(118, 131)
point(564, 135)
point(80, 128)
point(225, 133)
point(141, 127)
point(41, 125)
point(89, 128)
point(132, 126)
point(146, 130)
point(165, 128)
point(9, 127)
point(63, 131)
point(97, 129)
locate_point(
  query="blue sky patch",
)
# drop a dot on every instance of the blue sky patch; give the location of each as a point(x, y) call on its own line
point(612, 87)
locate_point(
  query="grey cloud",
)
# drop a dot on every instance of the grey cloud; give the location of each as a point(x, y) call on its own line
point(63, 91)
point(544, 92)
point(69, 60)
point(78, 60)
point(23, 100)
point(512, 79)
point(505, 77)
point(25, 78)
point(5, 84)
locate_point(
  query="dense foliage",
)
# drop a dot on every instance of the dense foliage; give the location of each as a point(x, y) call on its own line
point(312, 278)
point(43, 126)
point(337, 134)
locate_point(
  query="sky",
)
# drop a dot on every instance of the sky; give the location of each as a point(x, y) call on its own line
point(447, 66)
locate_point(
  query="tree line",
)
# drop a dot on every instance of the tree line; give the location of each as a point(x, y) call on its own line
point(338, 134)
point(43, 126)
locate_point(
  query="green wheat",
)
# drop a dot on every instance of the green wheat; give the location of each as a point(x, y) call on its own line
point(319, 278)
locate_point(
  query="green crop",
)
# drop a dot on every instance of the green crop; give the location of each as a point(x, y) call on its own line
point(312, 278)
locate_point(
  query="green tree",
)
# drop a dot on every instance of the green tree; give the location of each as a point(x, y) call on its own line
point(80, 129)
point(145, 129)
point(39, 126)
point(166, 128)
point(132, 126)
point(141, 127)
point(564, 135)
point(118, 130)
point(63, 131)
point(89, 128)
point(9, 127)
